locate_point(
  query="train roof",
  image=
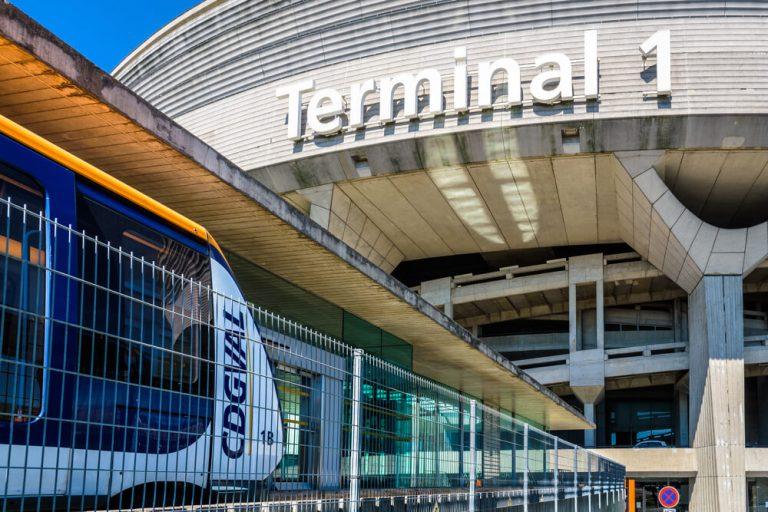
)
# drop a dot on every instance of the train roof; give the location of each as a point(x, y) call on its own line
point(82, 168)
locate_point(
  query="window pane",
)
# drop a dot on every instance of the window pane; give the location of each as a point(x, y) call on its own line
point(22, 323)
point(301, 430)
point(145, 323)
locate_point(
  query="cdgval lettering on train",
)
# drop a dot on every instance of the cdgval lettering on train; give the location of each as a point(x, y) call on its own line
point(235, 386)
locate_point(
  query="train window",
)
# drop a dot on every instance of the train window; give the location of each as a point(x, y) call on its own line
point(144, 322)
point(22, 325)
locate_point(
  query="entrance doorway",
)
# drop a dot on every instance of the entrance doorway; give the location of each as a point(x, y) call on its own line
point(647, 491)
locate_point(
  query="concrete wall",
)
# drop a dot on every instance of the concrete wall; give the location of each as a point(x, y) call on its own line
point(217, 72)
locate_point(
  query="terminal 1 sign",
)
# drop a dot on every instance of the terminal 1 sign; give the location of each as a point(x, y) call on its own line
point(329, 112)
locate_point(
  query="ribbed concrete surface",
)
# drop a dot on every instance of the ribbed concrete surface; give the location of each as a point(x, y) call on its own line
point(199, 54)
point(217, 72)
point(716, 326)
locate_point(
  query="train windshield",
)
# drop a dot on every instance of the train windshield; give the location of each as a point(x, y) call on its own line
point(149, 309)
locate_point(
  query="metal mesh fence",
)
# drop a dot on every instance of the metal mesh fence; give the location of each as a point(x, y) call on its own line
point(127, 380)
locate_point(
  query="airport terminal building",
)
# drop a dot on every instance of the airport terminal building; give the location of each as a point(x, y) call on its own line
point(581, 185)
point(175, 333)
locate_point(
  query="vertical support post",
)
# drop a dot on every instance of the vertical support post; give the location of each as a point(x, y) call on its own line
point(448, 308)
point(472, 453)
point(631, 498)
point(556, 473)
point(527, 468)
point(600, 476)
point(572, 325)
point(576, 479)
point(600, 314)
point(589, 481)
point(676, 320)
point(415, 436)
point(354, 462)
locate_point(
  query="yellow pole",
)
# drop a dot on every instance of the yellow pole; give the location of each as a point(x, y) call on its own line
point(631, 503)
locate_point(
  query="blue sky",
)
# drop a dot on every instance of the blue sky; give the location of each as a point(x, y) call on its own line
point(105, 31)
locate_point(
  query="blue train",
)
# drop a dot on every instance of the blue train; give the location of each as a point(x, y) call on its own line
point(131, 372)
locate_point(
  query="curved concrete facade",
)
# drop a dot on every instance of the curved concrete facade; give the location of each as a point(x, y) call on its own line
point(217, 69)
point(615, 138)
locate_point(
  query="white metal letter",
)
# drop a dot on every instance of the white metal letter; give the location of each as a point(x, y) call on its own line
point(486, 70)
point(294, 93)
point(323, 113)
point(358, 93)
point(563, 76)
point(411, 85)
point(460, 97)
point(660, 41)
point(590, 65)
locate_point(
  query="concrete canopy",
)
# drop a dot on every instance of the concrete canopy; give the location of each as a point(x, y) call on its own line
point(51, 89)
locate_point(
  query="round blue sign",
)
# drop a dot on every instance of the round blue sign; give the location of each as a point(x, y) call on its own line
point(669, 497)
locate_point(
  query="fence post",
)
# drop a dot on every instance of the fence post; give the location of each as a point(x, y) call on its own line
point(557, 477)
point(599, 483)
point(472, 453)
point(354, 453)
point(527, 468)
point(576, 479)
point(589, 481)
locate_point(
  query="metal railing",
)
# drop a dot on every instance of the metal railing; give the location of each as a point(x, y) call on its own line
point(128, 382)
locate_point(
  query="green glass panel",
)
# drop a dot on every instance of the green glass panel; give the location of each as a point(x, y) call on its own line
point(361, 334)
point(274, 293)
point(401, 355)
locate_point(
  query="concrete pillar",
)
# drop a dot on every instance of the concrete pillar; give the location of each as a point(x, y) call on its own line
point(682, 418)
point(590, 435)
point(600, 314)
point(439, 292)
point(572, 324)
point(448, 309)
point(716, 383)
point(586, 366)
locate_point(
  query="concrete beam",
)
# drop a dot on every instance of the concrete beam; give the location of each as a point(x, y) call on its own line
point(549, 309)
point(661, 229)
point(551, 280)
point(518, 342)
point(509, 287)
point(655, 462)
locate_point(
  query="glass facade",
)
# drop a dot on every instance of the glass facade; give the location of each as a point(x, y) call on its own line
point(640, 414)
point(755, 414)
point(276, 294)
point(300, 429)
point(626, 417)
point(757, 494)
point(647, 494)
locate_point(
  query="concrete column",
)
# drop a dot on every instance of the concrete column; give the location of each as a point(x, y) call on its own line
point(572, 325)
point(439, 292)
point(682, 413)
point(716, 382)
point(677, 320)
point(600, 314)
point(448, 309)
point(586, 366)
point(590, 435)
point(762, 411)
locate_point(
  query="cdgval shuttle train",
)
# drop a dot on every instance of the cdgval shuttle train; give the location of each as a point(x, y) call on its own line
point(131, 371)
